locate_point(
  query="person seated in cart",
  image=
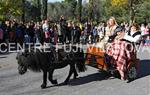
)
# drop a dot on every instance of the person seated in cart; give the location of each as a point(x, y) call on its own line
point(134, 34)
point(121, 52)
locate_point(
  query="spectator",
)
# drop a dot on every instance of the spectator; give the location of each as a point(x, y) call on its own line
point(101, 31)
point(94, 35)
point(38, 33)
point(143, 29)
point(8, 33)
point(45, 28)
point(20, 33)
point(27, 36)
point(1, 34)
point(55, 29)
point(148, 27)
point(63, 27)
point(59, 33)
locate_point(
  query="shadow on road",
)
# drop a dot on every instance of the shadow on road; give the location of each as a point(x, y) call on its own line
point(144, 68)
point(3, 57)
point(86, 79)
point(89, 78)
point(6, 53)
point(143, 72)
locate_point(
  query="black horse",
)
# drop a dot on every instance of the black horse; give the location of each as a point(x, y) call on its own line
point(37, 60)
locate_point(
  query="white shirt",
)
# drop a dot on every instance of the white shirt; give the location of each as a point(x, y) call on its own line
point(45, 27)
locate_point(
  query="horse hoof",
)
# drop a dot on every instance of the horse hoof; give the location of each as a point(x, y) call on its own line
point(43, 86)
point(75, 77)
point(55, 82)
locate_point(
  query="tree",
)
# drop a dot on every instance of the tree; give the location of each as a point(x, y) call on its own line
point(9, 9)
point(142, 13)
point(93, 11)
point(71, 6)
point(119, 3)
point(55, 10)
point(131, 5)
point(38, 5)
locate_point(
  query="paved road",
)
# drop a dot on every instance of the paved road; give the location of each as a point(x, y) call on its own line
point(90, 82)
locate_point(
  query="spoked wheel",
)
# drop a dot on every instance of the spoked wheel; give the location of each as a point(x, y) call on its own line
point(132, 73)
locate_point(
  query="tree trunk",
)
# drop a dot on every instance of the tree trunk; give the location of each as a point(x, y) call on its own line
point(131, 12)
point(44, 9)
point(79, 9)
point(90, 13)
point(39, 9)
point(23, 11)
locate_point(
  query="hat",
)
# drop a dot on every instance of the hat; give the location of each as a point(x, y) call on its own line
point(119, 29)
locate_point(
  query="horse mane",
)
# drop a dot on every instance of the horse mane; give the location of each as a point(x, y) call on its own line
point(30, 60)
point(32, 63)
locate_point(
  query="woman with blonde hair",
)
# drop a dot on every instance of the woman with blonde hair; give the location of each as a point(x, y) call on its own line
point(111, 26)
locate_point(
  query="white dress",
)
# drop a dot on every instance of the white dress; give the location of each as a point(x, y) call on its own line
point(131, 38)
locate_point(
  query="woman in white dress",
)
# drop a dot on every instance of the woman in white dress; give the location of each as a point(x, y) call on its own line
point(134, 34)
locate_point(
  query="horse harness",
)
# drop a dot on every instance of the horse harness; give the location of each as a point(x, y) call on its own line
point(60, 55)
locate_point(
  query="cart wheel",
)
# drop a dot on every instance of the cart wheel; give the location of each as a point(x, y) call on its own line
point(132, 73)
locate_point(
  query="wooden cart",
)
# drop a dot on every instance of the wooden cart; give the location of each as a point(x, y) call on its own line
point(96, 57)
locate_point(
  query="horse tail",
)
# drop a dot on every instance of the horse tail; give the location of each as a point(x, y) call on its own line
point(80, 64)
